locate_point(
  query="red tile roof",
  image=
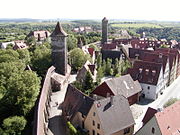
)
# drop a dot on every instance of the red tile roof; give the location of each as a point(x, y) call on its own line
point(145, 72)
point(169, 119)
point(109, 46)
point(91, 51)
point(156, 57)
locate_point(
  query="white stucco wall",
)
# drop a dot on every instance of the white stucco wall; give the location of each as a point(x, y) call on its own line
point(152, 91)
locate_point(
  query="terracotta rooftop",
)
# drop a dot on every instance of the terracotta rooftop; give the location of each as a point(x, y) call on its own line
point(76, 101)
point(169, 119)
point(145, 72)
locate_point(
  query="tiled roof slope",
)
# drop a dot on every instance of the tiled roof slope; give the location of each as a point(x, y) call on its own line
point(145, 72)
point(169, 120)
point(114, 116)
point(76, 101)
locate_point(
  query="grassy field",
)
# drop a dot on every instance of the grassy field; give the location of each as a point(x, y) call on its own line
point(136, 25)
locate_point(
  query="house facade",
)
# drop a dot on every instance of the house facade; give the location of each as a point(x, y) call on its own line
point(150, 76)
point(107, 117)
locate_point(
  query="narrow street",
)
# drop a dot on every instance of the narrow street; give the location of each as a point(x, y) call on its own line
point(56, 126)
point(173, 91)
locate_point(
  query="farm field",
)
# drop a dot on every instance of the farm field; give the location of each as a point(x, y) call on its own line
point(136, 25)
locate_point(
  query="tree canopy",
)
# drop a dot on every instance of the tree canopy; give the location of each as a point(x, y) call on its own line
point(77, 58)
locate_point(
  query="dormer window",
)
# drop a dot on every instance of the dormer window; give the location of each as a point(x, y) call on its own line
point(147, 71)
point(140, 70)
point(136, 56)
point(153, 72)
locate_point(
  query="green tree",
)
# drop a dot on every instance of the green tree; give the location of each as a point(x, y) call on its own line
point(164, 46)
point(88, 82)
point(170, 102)
point(100, 74)
point(24, 55)
point(77, 58)
point(71, 42)
point(125, 64)
point(99, 60)
point(72, 129)
point(117, 68)
point(31, 41)
point(8, 56)
point(7, 69)
point(41, 59)
point(108, 70)
point(14, 125)
point(23, 89)
point(78, 85)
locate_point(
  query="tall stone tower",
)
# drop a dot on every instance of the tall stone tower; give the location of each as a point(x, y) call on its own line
point(59, 49)
point(104, 30)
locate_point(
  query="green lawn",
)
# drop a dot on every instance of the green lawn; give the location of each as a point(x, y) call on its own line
point(136, 25)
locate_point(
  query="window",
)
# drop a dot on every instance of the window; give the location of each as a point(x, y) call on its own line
point(83, 124)
point(94, 114)
point(93, 123)
point(126, 131)
point(98, 126)
point(93, 132)
point(153, 130)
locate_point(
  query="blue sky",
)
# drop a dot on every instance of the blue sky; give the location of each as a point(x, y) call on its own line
point(166, 10)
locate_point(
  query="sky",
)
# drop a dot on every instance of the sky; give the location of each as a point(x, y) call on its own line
point(161, 10)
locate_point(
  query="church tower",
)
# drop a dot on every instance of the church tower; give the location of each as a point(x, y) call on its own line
point(59, 49)
point(104, 30)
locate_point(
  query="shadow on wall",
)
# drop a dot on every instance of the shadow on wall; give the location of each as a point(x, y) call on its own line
point(56, 126)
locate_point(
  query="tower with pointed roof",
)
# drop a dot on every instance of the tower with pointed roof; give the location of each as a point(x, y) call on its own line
point(104, 30)
point(59, 49)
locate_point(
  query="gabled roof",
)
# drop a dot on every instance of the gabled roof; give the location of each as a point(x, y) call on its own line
point(169, 119)
point(58, 31)
point(114, 116)
point(91, 51)
point(123, 85)
point(149, 114)
point(156, 57)
point(76, 101)
point(145, 72)
point(135, 52)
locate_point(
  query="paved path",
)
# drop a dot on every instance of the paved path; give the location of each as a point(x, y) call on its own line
point(173, 91)
point(56, 126)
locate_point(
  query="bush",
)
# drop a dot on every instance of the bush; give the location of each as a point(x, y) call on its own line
point(170, 102)
point(14, 125)
point(72, 129)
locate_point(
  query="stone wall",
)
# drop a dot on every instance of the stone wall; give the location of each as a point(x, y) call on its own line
point(40, 123)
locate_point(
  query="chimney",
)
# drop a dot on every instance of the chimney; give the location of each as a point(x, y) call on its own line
point(111, 100)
